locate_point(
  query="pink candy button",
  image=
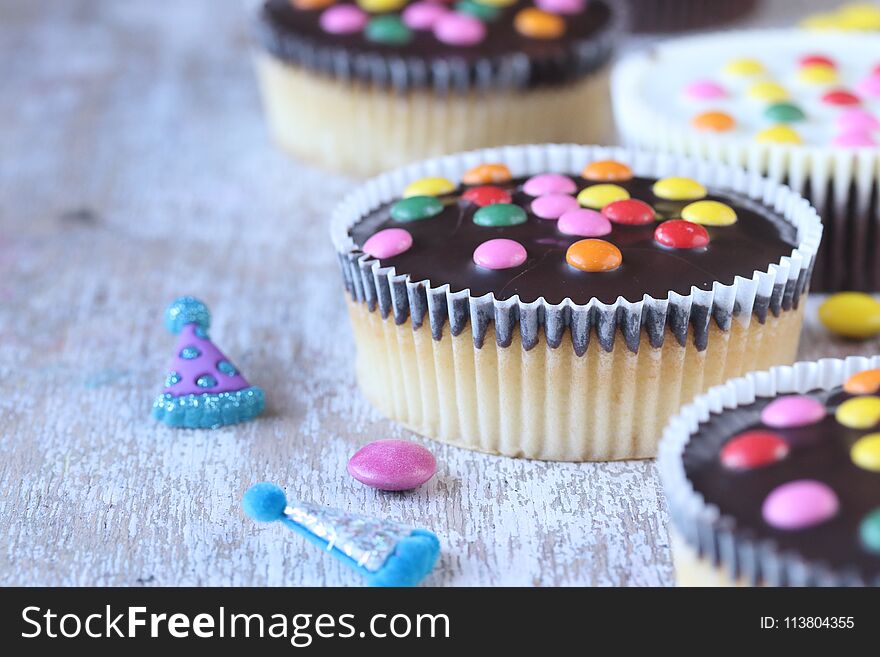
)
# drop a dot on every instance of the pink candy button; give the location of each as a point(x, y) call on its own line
point(553, 206)
point(704, 90)
point(392, 465)
point(343, 19)
point(423, 15)
point(792, 411)
point(857, 119)
point(459, 29)
point(500, 254)
point(799, 504)
point(870, 86)
point(388, 243)
point(549, 183)
point(569, 7)
point(584, 223)
point(854, 139)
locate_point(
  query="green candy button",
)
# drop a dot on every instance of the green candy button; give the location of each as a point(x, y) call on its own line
point(387, 29)
point(784, 113)
point(869, 531)
point(500, 214)
point(415, 208)
point(478, 10)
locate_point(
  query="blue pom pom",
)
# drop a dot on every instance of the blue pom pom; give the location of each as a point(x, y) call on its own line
point(186, 310)
point(413, 559)
point(264, 502)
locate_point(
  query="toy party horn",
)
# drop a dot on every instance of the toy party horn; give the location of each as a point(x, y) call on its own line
point(385, 553)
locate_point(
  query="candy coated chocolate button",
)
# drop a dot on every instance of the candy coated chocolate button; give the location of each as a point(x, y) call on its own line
point(800, 504)
point(753, 449)
point(713, 122)
point(388, 243)
point(584, 223)
point(499, 215)
point(680, 234)
point(769, 92)
point(500, 254)
point(857, 119)
point(429, 187)
point(678, 189)
point(870, 86)
point(629, 211)
point(744, 67)
point(459, 29)
point(565, 7)
point(343, 19)
point(423, 15)
point(486, 195)
point(538, 24)
point(818, 74)
point(784, 113)
point(387, 29)
point(869, 531)
point(859, 412)
point(415, 208)
point(392, 465)
point(863, 383)
point(311, 4)
point(816, 60)
point(792, 411)
point(607, 171)
point(854, 139)
point(477, 9)
point(484, 174)
point(598, 196)
point(381, 6)
point(865, 453)
point(851, 315)
point(498, 3)
point(709, 213)
point(704, 90)
point(840, 97)
point(778, 134)
point(553, 206)
point(593, 255)
point(549, 183)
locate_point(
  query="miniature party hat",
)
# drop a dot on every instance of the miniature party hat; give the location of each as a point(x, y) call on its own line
point(384, 552)
point(203, 390)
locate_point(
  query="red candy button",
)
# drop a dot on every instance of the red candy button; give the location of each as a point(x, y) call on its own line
point(753, 449)
point(681, 234)
point(840, 97)
point(817, 60)
point(486, 195)
point(629, 211)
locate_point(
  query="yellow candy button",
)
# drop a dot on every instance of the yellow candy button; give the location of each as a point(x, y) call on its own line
point(744, 67)
point(851, 315)
point(678, 189)
point(859, 412)
point(818, 74)
point(778, 134)
point(429, 187)
point(769, 92)
point(598, 196)
point(865, 453)
point(380, 6)
point(859, 16)
point(709, 213)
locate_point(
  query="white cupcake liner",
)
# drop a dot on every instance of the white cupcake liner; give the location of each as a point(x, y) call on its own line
point(775, 289)
point(702, 525)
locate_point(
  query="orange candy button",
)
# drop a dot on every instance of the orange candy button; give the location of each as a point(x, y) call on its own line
point(863, 383)
point(713, 122)
point(538, 24)
point(485, 174)
point(593, 255)
point(312, 4)
point(607, 171)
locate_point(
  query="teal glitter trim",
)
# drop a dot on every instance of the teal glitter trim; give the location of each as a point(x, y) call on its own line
point(209, 410)
point(187, 310)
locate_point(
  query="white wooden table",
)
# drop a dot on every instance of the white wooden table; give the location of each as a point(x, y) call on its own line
point(135, 168)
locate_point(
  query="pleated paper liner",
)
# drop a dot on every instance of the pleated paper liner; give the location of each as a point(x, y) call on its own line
point(563, 381)
point(843, 184)
point(704, 540)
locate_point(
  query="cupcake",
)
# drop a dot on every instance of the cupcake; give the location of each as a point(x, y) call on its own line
point(677, 15)
point(773, 479)
point(559, 302)
point(364, 86)
point(776, 102)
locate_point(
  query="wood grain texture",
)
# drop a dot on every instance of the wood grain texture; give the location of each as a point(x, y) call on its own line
point(136, 168)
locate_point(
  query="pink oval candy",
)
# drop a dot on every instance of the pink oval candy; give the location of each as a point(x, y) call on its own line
point(343, 19)
point(584, 223)
point(388, 243)
point(553, 206)
point(799, 504)
point(459, 29)
point(423, 15)
point(549, 183)
point(500, 254)
point(854, 139)
point(870, 86)
point(569, 7)
point(392, 465)
point(792, 411)
point(704, 90)
point(857, 119)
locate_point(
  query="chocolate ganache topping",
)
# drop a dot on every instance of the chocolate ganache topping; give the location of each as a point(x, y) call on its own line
point(604, 234)
point(446, 45)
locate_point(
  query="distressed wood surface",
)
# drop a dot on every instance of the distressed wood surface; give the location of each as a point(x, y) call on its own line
point(135, 167)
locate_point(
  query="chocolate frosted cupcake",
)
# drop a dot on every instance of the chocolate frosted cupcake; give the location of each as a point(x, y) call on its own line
point(677, 15)
point(774, 479)
point(781, 104)
point(558, 302)
point(369, 85)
